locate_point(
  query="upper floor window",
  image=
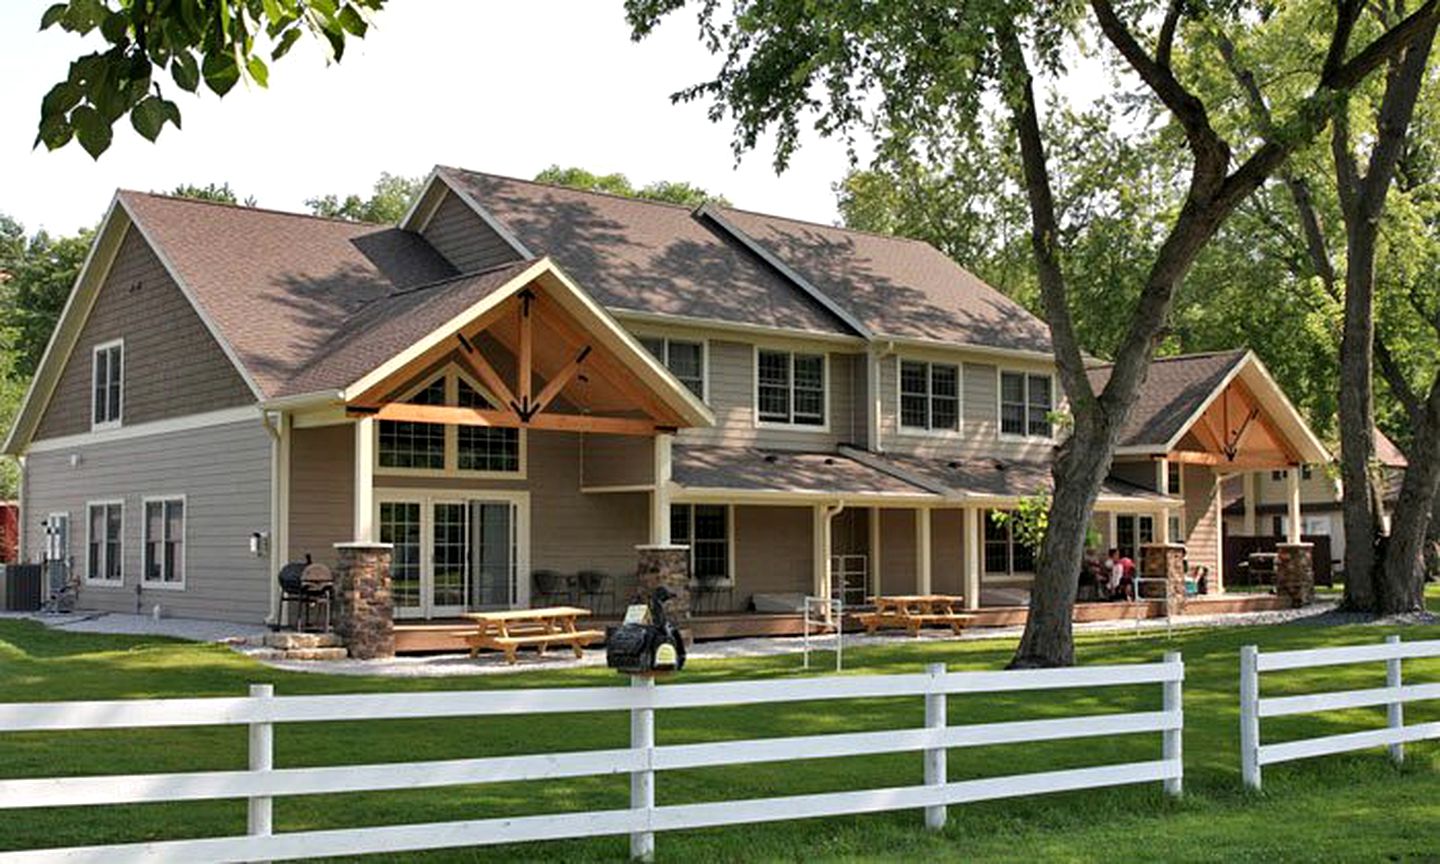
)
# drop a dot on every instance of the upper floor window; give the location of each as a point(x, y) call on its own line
point(164, 542)
point(107, 384)
point(790, 387)
point(1277, 476)
point(929, 395)
point(1174, 481)
point(438, 447)
point(1025, 404)
point(1306, 472)
point(684, 359)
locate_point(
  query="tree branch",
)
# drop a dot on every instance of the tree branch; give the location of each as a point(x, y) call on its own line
point(1165, 44)
point(1397, 382)
point(1341, 76)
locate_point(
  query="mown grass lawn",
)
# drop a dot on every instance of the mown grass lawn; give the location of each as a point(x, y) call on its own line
point(1355, 807)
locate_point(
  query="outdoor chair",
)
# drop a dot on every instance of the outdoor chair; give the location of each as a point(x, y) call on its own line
point(595, 586)
point(551, 587)
point(306, 595)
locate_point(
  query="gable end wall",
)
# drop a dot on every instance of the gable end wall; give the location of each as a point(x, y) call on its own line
point(464, 239)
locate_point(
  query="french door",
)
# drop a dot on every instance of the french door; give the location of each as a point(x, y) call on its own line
point(455, 554)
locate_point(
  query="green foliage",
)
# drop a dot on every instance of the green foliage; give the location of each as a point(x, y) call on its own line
point(1028, 521)
point(389, 198)
point(671, 192)
point(221, 193)
point(218, 41)
point(41, 277)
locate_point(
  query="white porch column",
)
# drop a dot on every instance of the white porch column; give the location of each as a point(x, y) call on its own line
point(365, 480)
point(875, 550)
point(1292, 488)
point(922, 550)
point(970, 553)
point(1162, 531)
point(820, 535)
point(1251, 494)
point(660, 497)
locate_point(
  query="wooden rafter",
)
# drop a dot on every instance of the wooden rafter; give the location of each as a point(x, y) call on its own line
point(455, 416)
point(526, 372)
point(621, 379)
point(1220, 460)
point(474, 362)
point(556, 384)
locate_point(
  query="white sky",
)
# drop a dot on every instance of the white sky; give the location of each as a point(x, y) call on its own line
point(504, 87)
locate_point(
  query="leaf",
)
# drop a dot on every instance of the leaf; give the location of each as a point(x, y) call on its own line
point(91, 129)
point(52, 16)
point(220, 73)
point(185, 71)
point(114, 26)
point(172, 111)
point(286, 42)
point(55, 132)
point(61, 98)
point(351, 21)
point(148, 117)
point(259, 71)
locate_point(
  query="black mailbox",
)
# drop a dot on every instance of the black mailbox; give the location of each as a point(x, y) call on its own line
point(647, 643)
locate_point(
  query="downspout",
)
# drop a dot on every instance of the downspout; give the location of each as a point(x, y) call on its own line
point(831, 511)
point(277, 428)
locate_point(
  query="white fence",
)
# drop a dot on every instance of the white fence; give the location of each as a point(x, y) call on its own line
point(262, 782)
point(1394, 695)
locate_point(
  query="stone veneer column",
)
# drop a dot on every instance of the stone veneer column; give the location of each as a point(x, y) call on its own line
point(668, 565)
point(364, 607)
point(1164, 561)
point(1295, 572)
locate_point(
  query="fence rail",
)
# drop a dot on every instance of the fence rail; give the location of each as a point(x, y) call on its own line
point(262, 782)
point(1394, 696)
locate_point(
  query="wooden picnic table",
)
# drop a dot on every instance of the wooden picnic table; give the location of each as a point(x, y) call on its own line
point(913, 611)
point(512, 629)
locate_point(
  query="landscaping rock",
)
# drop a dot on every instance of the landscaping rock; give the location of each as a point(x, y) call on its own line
point(292, 641)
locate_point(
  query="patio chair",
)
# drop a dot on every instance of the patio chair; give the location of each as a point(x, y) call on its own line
point(594, 586)
point(306, 595)
point(551, 586)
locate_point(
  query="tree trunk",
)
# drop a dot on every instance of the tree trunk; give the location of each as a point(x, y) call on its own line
point(1357, 419)
point(1402, 584)
point(1082, 464)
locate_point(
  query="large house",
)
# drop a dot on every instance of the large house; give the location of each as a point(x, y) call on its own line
point(522, 379)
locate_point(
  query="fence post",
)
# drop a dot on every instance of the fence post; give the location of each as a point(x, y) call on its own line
point(260, 821)
point(1173, 742)
point(935, 719)
point(1250, 716)
point(1395, 711)
point(642, 782)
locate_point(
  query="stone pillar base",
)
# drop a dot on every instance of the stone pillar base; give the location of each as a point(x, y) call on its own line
point(1164, 561)
point(1295, 572)
point(364, 607)
point(668, 565)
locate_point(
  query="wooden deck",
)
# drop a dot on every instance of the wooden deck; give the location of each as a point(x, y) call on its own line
point(448, 635)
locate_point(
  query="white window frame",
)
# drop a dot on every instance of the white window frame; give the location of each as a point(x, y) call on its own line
point(664, 357)
point(824, 426)
point(1137, 515)
point(124, 365)
point(452, 372)
point(49, 537)
point(162, 500)
point(929, 429)
point(729, 580)
point(1010, 545)
point(102, 582)
point(1000, 373)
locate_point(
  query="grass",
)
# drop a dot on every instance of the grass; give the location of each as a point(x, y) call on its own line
point(1354, 807)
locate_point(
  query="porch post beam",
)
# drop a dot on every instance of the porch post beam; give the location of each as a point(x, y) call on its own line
point(364, 522)
point(660, 497)
point(820, 554)
point(526, 372)
point(875, 541)
point(553, 387)
point(478, 366)
point(922, 550)
point(1251, 491)
point(1292, 483)
point(970, 550)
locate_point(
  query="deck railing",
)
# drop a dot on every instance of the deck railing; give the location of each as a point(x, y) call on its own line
point(262, 781)
point(1392, 652)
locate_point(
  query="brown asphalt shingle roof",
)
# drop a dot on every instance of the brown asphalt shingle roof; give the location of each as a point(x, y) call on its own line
point(895, 286)
point(1173, 390)
point(279, 286)
point(1000, 477)
point(751, 470)
point(645, 256)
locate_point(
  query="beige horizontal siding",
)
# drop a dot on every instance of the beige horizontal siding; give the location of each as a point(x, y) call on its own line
point(460, 235)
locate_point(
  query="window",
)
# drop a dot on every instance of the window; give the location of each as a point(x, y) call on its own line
point(1132, 532)
point(107, 383)
point(685, 360)
point(57, 537)
point(705, 528)
point(164, 542)
point(439, 447)
point(1025, 405)
point(1004, 554)
point(1277, 476)
point(790, 388)
point(1174, 478)
point(104, 525)
point(929, 395)
point(1177, 523)
point(1306, 472)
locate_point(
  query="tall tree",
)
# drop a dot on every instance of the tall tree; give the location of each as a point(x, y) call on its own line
point(669, 191)
point(916, 70)
point(389, 198)
point(220, 193)
point(217, 41)
point(39, 282)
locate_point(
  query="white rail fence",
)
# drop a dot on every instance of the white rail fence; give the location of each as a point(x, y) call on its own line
point(262, 710)
point(1394, 695)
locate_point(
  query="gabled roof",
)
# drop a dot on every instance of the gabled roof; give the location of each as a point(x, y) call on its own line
point(893, 286)
point(644, 256)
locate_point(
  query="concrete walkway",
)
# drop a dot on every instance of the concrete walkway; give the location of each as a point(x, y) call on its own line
point(193, 629)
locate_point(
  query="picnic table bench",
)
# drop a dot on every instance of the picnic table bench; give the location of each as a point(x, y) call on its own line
point(513, 629)
point(913, 611)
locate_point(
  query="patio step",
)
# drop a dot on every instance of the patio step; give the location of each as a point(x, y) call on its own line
point(284, 641)
point(316, 654)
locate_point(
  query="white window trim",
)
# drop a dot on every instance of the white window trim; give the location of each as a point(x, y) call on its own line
point(48, 537)
point(104, 583)
point(822, 428)
point(930, 432)
point(124, 365)
point(729, 581)
point(1137, 515)
point(145, 502)
point(1010, 544)
point(452, 372)
point(704, 344)
point(1000, 373)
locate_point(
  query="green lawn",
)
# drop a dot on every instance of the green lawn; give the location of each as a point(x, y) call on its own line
point(1354, 807)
